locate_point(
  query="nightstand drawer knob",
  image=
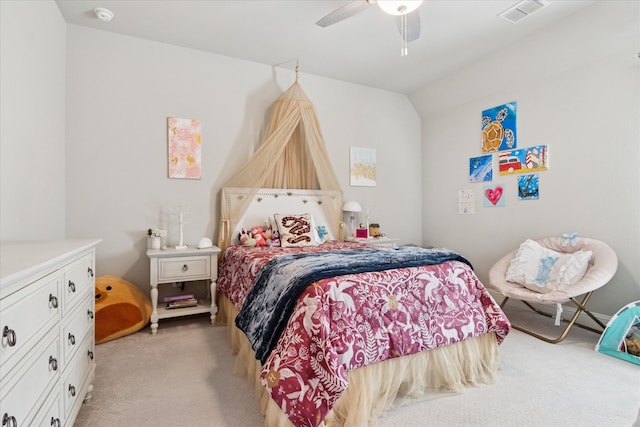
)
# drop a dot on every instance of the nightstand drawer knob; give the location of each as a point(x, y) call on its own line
point(53, 362)
point(90, 354)
point(185, 268)
point(72, 286)
point(90, 314)
point(10, 335)
point(55, 422)
point(72, 339)
point(72, 391)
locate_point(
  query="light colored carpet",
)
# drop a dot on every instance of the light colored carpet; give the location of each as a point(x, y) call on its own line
point(184, 376)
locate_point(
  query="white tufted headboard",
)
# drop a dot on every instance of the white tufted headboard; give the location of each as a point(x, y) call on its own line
point(269, 201)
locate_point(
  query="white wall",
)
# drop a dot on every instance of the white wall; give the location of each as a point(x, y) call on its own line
point(121, 90)
point(577, 85)
point(32, 121)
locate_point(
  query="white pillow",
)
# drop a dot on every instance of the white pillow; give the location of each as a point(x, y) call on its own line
point(544, 270)
point(296, 230)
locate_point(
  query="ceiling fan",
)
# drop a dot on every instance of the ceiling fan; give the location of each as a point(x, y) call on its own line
point(408, 18)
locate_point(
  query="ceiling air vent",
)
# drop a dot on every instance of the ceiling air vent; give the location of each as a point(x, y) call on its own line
point(522, 9)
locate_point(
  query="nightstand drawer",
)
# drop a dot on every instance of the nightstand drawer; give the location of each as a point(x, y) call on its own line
point(184, 268)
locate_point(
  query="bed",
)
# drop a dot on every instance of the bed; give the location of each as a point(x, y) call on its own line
point(352, 330)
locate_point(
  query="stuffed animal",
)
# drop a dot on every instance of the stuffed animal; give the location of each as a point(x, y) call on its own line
point(633, 346)
point(322, 232)
point(245, 238)
point(259, 235)
point(274, 239)
point(121, 308)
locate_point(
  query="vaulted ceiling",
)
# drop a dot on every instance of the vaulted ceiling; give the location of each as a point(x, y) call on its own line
point(363, 49)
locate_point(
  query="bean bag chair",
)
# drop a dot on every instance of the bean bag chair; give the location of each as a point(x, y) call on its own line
point(121, 308)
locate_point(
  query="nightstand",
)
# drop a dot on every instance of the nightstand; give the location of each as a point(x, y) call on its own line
point(183, 265)
point(378, 241)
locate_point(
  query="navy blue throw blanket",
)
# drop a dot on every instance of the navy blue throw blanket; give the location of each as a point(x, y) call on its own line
point(271, 301)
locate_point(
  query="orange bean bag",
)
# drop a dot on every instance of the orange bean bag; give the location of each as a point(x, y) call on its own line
point(121, 308)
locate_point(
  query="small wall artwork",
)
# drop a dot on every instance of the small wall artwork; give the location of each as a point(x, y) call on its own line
point(499, 128)
point(466, 202)
point(494, 195)
point(528, 187)
point(530, 159)
point(363, 167)
point(185, 142)
point(481, 168)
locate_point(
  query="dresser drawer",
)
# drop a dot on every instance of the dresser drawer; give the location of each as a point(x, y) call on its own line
point(184, 268)
point(77, 278)
point(26, 316)
point(77, 376)
point(27, 387)
point(51, 412)
point(75, 329)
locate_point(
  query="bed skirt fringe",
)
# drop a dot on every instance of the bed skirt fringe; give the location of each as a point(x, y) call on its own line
point(382, 386)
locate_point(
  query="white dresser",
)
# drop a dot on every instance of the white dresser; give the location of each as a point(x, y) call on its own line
point(47, 361)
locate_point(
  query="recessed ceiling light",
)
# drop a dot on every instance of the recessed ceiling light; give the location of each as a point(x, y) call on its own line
point(105, 15)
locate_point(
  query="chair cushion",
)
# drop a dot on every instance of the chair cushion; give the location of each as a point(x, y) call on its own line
point(544, 270)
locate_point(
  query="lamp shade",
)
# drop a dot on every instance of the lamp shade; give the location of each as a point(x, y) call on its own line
point(351, 206)
point(399, 7)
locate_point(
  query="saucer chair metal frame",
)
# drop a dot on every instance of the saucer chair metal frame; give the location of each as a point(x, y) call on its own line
point(602, 267)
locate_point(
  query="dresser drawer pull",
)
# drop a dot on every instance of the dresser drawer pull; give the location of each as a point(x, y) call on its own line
point(53, 362)
point(53, 300)
point(10, 335)
point(72, 286)
point(9, 421)
point(55, 422)
point(90, 272)
point(72, 391)
point(185, 268)
point(90, 314)
point(90, 354)
point(72, 339)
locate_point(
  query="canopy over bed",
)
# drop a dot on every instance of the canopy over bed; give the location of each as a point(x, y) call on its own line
point(292, 155)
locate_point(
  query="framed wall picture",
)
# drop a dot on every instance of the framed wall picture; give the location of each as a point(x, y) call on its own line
point(494, 195)
point(522, 160)
point(481, 168)
point(362, 169)
point(184, 144)
point(499, 128)
point(528, 187)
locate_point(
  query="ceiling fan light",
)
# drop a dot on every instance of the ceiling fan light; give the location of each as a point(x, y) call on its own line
point(399, 7)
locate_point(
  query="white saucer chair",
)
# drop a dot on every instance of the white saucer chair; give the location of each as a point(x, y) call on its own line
point(600, 269)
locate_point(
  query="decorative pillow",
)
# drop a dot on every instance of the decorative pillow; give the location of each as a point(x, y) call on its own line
point(544, 270)
point(296, 230)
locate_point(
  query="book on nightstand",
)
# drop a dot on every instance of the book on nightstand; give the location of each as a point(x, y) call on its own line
point(190, 302)
point(182, 304)
point(172, 298)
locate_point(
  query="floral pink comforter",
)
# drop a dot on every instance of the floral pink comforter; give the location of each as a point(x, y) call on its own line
point(343, 323)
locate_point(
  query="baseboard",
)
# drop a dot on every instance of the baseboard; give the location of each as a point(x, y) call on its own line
point(568, 310)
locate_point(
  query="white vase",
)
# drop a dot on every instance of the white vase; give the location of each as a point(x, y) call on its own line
point(154, 242)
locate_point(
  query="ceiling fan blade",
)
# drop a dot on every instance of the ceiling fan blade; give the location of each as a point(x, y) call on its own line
point(344, 12)
point(413, 25)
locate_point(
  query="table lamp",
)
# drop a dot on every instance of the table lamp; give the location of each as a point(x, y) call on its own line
point(352, 207)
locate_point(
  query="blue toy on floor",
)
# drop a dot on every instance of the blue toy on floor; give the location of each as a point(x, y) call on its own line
point(621, 338)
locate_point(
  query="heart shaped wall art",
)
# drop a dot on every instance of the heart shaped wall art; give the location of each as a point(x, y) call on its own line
point(493, 196)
